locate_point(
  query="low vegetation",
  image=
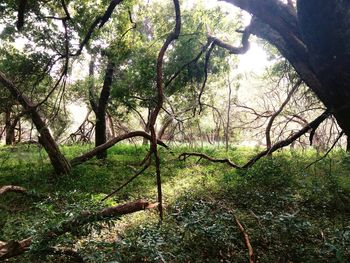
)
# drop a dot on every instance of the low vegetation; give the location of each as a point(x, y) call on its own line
point(290, 213)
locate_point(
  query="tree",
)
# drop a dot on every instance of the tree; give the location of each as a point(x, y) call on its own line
point(316, 41)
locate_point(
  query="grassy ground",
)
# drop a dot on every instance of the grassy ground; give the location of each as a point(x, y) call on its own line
point(290, 213)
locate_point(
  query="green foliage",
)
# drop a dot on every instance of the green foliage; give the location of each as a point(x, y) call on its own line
point(291, 214)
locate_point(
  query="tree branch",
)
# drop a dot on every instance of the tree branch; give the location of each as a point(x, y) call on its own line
point(99, 21)
point(15, 248)
point(246, 241)
point(130, 180)
point(330, 149)
point(89, 155)
point(160, 99)
point(273, 148)
point(22, 6)
point(274, 115)
point(12, 188)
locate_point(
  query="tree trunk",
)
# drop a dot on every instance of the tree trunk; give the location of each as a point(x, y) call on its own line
point(100, 134)
point(228, 120)
point(145, 141)
point(100, 109)
point(315, 40)
point(9, 129)
point(327, 36)
point(58, 161)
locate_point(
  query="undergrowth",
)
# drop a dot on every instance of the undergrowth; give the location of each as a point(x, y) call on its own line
point(291, 214)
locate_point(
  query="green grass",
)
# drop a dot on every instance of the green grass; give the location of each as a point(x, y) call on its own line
point(291, 214)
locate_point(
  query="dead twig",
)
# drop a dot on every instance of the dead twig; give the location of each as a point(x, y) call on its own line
point(246, 240)
point(326, 154)
point(128, 181)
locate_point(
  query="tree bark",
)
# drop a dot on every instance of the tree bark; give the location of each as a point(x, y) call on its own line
point(100, 110)
point(9, 129)
point(58, 161)
point(316, 41)
point(327, 36)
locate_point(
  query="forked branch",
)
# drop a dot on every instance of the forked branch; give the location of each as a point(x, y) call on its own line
point(160, 99)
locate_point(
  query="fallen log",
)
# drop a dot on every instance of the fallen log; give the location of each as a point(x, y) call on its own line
point(12, 188)
point(15, 248)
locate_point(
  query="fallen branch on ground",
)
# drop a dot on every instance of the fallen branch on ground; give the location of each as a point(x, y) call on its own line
point(15, 248)
point(246, 241)
point(12, 188)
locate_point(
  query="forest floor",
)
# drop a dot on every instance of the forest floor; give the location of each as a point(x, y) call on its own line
point(290, 213)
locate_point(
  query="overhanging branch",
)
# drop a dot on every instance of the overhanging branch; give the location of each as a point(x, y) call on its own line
point(89, 155)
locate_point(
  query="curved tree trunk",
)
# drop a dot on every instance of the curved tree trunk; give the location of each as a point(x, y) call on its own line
point(101, 107)
point(325, 29)
point(315, 40)
point(58, 161)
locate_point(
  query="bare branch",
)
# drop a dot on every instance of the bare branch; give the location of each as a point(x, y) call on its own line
point(273, 148)
point(130, 180)
point(195, 59)
point(100, 20)
point(330, 149)
point(206, 65)
point(89, 155)
point(274, 116)
point(246, 241)
point(235, 50)
point(185, 155)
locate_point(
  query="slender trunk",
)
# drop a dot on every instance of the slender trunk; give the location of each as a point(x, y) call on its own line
point(348, 143)
point(145, 141)
point(19, 135)
point(58, 160)
point(167, 122)
point(100, 128)
point(278, 112)
point(9, 129)
point(227, 130)
point(100, 134)
point(111, 126)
